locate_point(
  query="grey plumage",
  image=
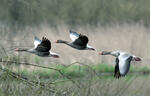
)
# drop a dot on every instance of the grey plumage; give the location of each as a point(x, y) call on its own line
point(79, 41)
point(41, 48)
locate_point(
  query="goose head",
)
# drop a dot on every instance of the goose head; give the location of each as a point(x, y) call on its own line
point(113, 53)
point(60, 41)
point(135, 58)
point(21, 49)
point(105, 53)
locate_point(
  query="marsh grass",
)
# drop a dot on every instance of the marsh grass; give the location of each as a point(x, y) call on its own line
point(75, 79)
point(91, 75)
point(109, 24)
point(89, 82)
point(76, 71)
point(124, 37)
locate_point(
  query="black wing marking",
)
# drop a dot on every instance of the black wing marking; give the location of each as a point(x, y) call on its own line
point(117, 72)
point(44, 46)
point(81, 41)
point(129, 61)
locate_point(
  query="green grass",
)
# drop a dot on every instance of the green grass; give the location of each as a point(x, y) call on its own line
point(78, 71)
point(103, 68)
point(82, 76)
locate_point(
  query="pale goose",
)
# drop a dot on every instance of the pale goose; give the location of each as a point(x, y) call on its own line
point(123, 61)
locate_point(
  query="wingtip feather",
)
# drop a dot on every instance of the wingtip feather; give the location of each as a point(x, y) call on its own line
point(36, 38)
point(71, 31)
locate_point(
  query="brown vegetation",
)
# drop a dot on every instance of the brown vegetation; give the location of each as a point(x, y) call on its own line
point(131, 38)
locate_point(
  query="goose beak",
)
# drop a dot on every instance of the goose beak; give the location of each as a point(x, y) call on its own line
point(100, 53)
point(16, 49)
point(137, 59)
point(56, 41)
point(55, 56)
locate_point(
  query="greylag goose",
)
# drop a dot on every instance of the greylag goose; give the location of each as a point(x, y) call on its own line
point(79, 41)
point(41, 48)
point(123, 61)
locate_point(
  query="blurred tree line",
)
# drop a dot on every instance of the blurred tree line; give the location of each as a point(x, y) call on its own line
point(74, 12)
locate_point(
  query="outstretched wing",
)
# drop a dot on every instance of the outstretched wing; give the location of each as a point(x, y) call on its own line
point(117, 72)
point(125, 65)
point(37, 41)
point(73, 35)
point(44, 46)
point(81, 41)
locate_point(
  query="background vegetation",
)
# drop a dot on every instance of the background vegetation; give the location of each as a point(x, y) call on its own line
point(109, 25)
point(74, 12)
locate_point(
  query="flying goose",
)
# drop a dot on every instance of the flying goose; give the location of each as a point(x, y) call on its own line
point(41, 48)
point(123, 61)
point(79, 41)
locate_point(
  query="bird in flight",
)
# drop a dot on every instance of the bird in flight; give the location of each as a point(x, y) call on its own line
point(123, 61)
point(79, 41)
point(41, 48)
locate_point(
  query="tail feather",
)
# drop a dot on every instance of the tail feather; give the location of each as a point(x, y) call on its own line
point(55, 55)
